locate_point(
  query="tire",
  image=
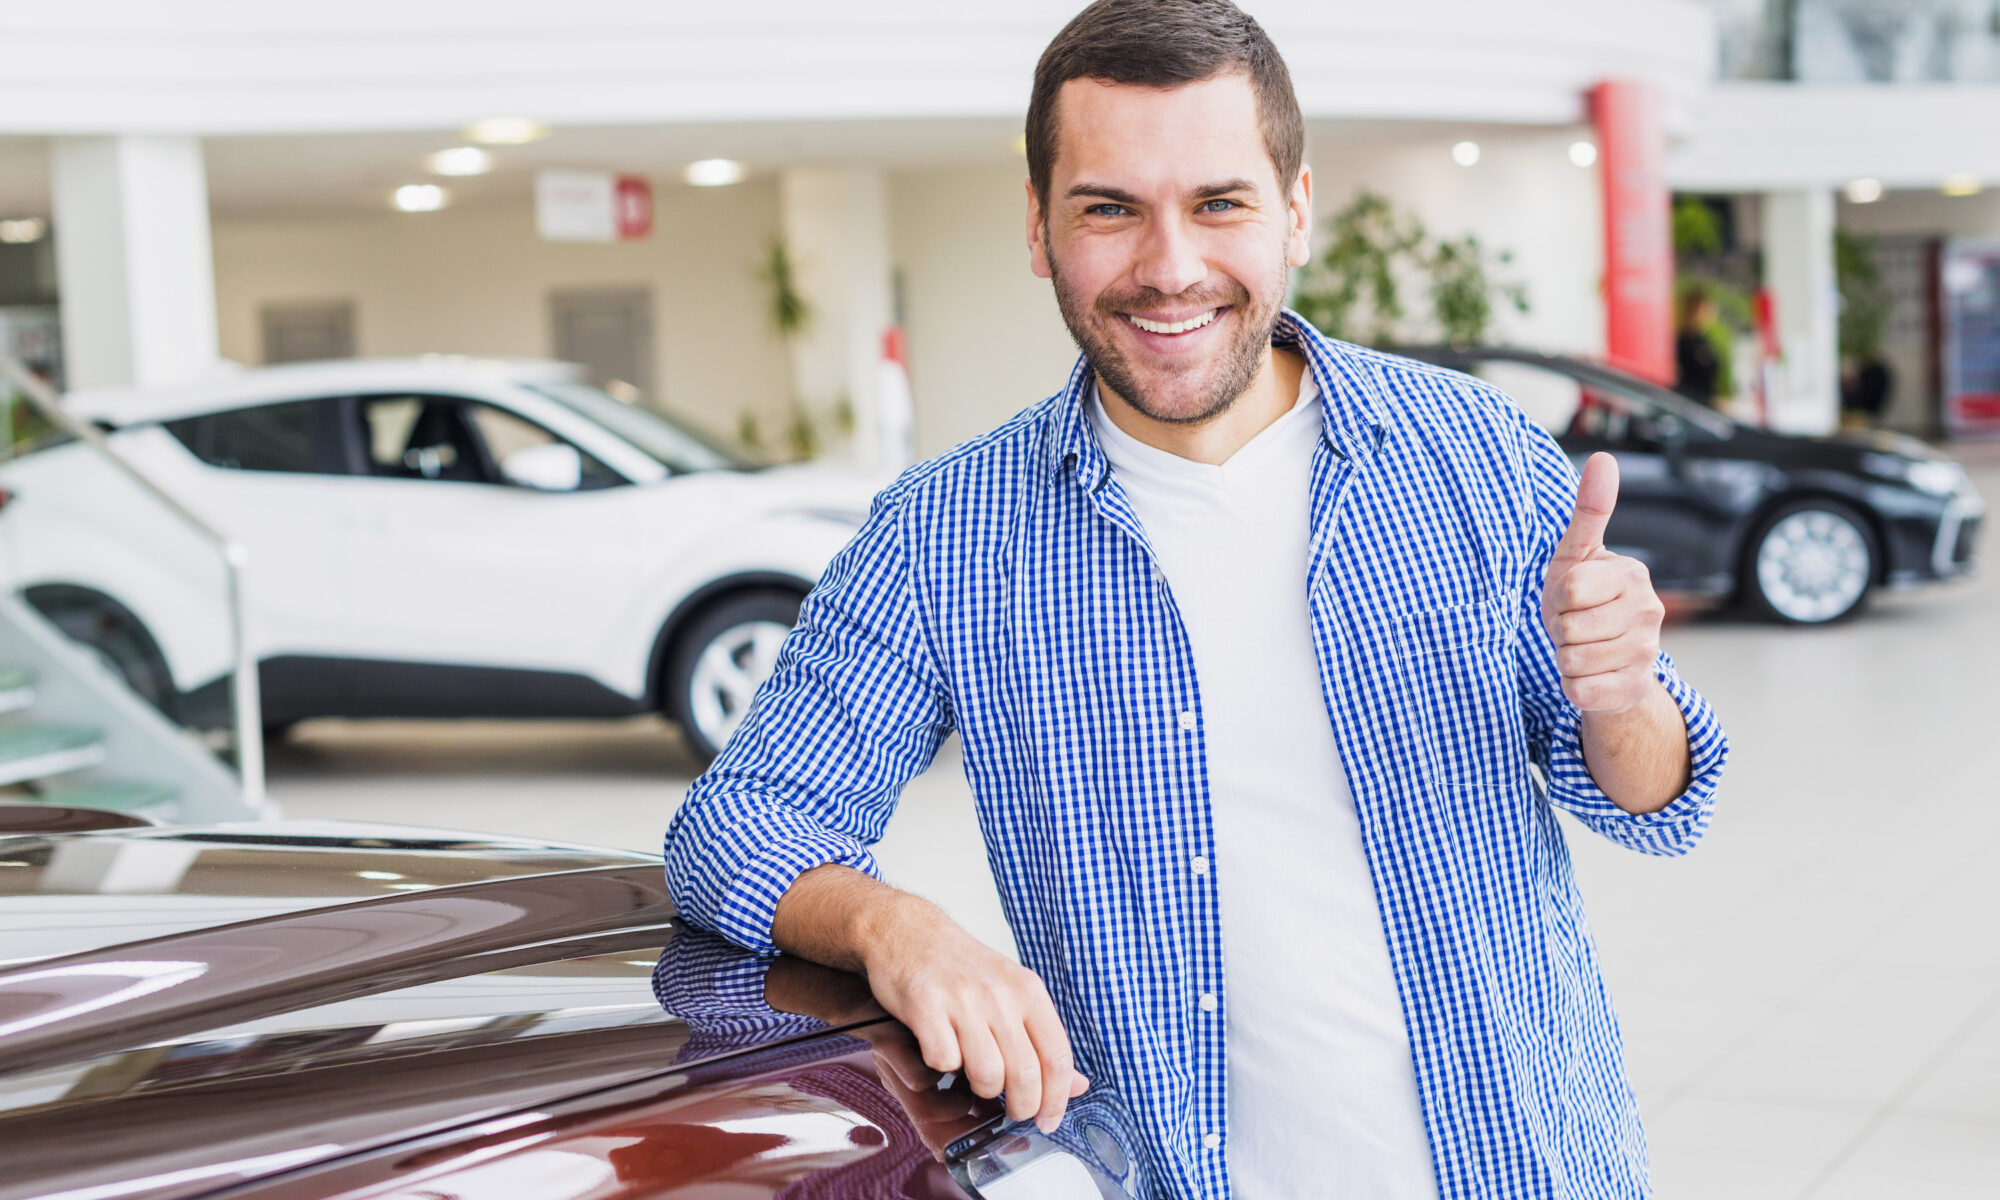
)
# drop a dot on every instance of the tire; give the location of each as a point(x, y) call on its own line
point(718, 660)
point(1810, 562)
point(108, 630)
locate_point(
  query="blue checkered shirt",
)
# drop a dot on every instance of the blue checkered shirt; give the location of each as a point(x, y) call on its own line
point(1006, 591)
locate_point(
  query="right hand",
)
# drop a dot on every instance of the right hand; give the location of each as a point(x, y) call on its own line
point(974, 1012)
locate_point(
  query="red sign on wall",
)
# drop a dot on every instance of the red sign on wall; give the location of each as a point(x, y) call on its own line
point(633, 201)
point(1638, 238)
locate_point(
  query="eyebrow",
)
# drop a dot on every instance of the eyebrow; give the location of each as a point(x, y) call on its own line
point(1207, 191)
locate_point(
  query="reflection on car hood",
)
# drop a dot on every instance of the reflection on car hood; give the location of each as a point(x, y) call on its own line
point(1882, 441)
point(214, 1000)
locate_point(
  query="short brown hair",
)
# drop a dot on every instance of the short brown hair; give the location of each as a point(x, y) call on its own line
point(1164, 44)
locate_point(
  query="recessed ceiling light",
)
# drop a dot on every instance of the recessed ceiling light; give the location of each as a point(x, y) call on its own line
point(714, 172)
point(505, 131)
point(1864, 191)
point(1583, 153)
point(461, 160)
point(22, 230)
point(1962, 183)
point(420, 197)
point(1465, 153)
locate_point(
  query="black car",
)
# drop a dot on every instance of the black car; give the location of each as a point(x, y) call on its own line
point(1796, 528)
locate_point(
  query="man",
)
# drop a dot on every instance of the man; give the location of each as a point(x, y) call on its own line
point(1251, 639)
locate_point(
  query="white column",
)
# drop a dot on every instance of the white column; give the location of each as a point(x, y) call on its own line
point(133, 265)
point(836, 226)
point(1798, 268)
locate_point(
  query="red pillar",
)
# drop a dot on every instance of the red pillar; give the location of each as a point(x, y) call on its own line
point(1638, 238)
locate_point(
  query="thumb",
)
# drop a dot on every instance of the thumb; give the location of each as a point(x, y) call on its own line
point(1596, 496)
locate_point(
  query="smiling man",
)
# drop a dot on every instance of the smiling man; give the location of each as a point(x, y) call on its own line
point(1273, 659)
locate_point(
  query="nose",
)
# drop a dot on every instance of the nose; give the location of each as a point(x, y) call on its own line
point(1169, 261)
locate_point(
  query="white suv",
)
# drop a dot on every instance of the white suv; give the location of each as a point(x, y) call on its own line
point(431, 537)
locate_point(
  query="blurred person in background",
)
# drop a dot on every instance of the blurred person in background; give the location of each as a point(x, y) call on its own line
point(1250, 638)
point(1865, 388)
point(1696, 364)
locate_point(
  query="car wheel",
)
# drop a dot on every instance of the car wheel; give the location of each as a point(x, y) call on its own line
point(719, 661)
point(121, 643)
point(1810, 562)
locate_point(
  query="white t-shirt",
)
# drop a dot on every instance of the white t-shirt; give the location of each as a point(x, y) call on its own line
point(1322, 1090)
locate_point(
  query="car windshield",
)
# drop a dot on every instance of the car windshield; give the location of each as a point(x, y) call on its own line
point(678, 447)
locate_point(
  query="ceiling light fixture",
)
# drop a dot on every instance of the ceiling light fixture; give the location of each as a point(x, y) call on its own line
point(461, 160)
point(1583, 153)
point(505, 131)
point(714, 172)
point(1962, 183)
point(22, 230)
point(420, 197)
point(1864, 191)
point(1465, 153)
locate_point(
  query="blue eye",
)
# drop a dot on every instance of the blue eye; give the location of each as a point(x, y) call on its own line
point(1107, 210)
point(1211, 205)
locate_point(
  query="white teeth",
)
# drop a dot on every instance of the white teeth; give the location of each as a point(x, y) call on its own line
point(1175, 326)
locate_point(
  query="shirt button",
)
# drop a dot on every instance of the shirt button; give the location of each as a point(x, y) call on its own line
point(1200, 864)
point(1187, 720)
point(1159, 576)
point(1210, 1141)
point(1208, 1002)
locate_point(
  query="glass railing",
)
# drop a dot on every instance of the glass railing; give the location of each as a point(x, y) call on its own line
point(127, 571)
point(1858, 41)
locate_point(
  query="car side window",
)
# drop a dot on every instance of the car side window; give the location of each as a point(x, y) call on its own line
point(418, 437)
point(293, 436)
point(521, 450)
point(464, 441)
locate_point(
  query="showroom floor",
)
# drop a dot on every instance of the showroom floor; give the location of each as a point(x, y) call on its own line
point(1811, 1001)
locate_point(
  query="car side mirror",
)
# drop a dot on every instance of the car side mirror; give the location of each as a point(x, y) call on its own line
point(550, 467)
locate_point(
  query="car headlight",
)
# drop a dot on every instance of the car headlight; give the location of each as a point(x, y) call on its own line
point(1933, 476)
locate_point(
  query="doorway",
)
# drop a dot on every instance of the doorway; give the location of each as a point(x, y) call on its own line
point(610, 331)
point(308, 331)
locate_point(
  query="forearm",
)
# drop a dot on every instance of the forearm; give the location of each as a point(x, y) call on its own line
point(1639, 756)
point(838, 916)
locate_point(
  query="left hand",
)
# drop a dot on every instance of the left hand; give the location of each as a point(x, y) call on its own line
point(1600, 608)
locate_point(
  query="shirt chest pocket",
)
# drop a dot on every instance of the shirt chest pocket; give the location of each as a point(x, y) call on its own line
point(1461, 677)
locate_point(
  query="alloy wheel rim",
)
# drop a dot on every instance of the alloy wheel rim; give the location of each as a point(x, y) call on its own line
point(727, 674)
point(1813, 565)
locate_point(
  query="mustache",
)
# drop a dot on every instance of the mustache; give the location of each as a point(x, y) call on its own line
point(1111, 304)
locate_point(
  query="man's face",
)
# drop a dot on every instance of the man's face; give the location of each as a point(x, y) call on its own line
point(1169, 239)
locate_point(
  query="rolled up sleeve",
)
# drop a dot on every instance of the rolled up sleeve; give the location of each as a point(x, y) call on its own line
point(1554, 724)
point(852, 711)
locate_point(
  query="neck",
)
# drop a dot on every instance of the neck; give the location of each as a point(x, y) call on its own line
point(1214, 439)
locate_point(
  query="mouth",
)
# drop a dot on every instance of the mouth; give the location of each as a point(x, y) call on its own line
point(1174, 328)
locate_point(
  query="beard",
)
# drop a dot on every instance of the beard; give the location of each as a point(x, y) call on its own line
point(1187, 393)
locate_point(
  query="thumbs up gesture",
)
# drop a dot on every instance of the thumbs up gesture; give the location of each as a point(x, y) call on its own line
point(1599, 607)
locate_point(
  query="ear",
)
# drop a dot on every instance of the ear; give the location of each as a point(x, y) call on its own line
point(1038, 251)
point(1299, 237)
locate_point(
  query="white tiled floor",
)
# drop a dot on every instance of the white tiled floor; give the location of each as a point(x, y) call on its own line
point(1811, 1001)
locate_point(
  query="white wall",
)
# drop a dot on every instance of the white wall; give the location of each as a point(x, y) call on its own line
point(1524, 195)
point(477, 281)
point(985, 338)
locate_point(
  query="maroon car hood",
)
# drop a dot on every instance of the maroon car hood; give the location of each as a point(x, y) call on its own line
point(248, 999)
